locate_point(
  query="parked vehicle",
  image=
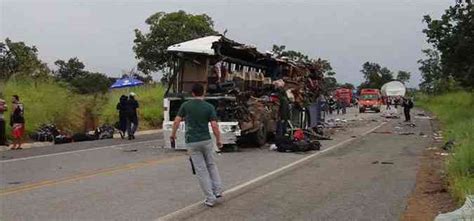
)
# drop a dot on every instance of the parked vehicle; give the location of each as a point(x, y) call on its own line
point(370, 99)
point(344, 95)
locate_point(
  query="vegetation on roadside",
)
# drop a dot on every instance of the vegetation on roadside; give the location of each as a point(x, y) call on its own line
point(454, 111)
point(50, 102)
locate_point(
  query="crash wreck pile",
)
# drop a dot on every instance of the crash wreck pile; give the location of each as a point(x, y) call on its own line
point(256, 94)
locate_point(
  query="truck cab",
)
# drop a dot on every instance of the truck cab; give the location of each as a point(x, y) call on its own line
point(370, 99)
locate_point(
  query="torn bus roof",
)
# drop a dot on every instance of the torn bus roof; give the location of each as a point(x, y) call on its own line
point(210, 45)
point(200, 45)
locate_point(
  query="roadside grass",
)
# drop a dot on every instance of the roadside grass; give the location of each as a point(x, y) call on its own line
point(150, 98)
point(456, 114)
point(45, 102)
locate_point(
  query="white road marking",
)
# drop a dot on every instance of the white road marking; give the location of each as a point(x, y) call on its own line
point(78, 151)
point(177, 215)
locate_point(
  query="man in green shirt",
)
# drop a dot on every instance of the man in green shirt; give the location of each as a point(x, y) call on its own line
point(197, 114)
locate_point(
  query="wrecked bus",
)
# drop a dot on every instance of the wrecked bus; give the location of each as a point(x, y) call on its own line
point(245, 87)
point(228, 70)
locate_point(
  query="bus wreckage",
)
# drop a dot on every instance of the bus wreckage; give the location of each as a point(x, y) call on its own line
point(256, 95)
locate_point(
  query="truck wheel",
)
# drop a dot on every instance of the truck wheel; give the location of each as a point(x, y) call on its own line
point(260, 136)
point(377, 110)
point(361, 110)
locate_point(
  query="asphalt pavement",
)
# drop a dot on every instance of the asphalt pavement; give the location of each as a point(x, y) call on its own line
point(369, 179)
point(122, 180)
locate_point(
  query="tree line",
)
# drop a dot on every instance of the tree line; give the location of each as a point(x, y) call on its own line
point(449, 63)
point(19, 61)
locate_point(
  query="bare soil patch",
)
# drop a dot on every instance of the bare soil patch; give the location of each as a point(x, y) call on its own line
point(431, 195)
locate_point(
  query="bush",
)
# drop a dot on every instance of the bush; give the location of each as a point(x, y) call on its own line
point(455, 112)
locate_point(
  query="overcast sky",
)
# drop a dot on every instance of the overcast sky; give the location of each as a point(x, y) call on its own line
point(346, 32)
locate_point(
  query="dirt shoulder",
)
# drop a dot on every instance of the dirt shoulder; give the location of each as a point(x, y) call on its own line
point(431, 195)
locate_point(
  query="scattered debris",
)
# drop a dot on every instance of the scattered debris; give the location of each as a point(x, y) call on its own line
point(448, 145)
point(386, 162)
point(273, 147)
point(383, 162)
point(442, 154)
point(382, 132)
point(423, 117)
point(14, 183)
point(132, 150)
point(353, 136)
point(406, 133)
point(431, 148)
point(411, 125)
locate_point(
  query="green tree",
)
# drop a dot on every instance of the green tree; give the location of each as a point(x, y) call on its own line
point(329, 84)
point(403, 76)
point(278, 49)
point(17, 58)
point(347, 85)
point(91, 83)
point(165, 29)
point(69, 70)
point(453, 36)
point(430, 69)
point(375, 75)
point(83, 82)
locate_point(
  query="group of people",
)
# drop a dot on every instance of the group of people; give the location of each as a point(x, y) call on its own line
point(17, 122)
point(128, 115)
point(331, 105)
point(405, 102)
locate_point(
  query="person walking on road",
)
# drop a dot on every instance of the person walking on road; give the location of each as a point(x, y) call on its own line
point(132, 115)
point(122, 109)
point(197, 113)
point(3, 137)
point(407, 105)
point(17, 122)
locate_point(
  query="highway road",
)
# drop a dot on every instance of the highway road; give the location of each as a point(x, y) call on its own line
point(140, 180)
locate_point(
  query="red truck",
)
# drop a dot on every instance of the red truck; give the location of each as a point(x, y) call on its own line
point(370, 99)
point(344, 95)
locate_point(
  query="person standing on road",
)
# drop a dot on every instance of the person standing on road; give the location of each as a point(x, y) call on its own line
point(407, 105)
point(122, 109)
point(3, 137)
point(17, 122)
point(132, 115)
point(197, 113)
point(331, 104)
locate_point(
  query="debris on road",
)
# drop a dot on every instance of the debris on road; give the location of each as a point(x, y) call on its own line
point(132, 150)
point(386, 162)
point(382, 132)
point(448, 145)
point(382, 162)
point(15, 183)
point(406, 133)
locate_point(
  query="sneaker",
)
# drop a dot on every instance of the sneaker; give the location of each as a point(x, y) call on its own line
point(209, 204)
